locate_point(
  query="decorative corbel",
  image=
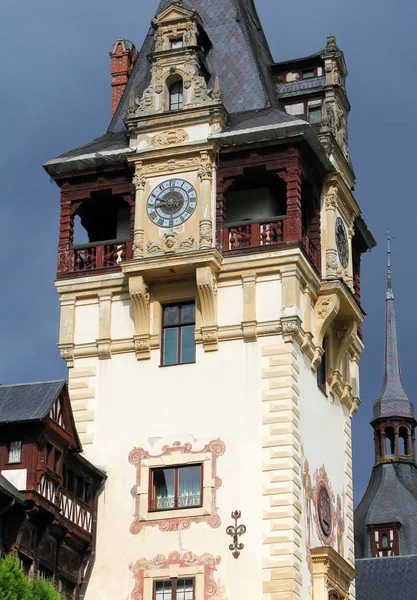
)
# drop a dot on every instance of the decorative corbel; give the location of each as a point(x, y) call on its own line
point(325, 312)
point(140, 297)
point(67, 354)
point(345, 334)
point(291, 329)
point(207, 291)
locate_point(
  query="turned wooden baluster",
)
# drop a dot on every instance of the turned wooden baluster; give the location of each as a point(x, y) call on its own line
point(264, 235)
point(78, 261)
point(233, 236)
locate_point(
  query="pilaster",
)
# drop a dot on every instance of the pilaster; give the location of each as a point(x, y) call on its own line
point(140, 297)
point(139, 181)
point(206, 224)
point(281, 474)
point(249, 323)
point(104, 326)
point(207, 292)
point(66, 330)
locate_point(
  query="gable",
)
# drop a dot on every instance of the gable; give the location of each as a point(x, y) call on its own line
point(173, 13)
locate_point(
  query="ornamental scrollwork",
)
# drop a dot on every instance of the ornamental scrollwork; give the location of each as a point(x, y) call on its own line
point(167, 138)
point(206, 234)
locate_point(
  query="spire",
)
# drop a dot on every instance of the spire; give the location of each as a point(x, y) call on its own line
point(393, 400)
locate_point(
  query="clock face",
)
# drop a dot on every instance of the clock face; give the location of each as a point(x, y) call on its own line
point(342, 243)
point(325, 511)
point(172, 203)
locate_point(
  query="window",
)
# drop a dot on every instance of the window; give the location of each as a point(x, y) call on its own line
point(50, 456)
point(174, 589)
point(177, 43)
point(321, 371)
point(333, 596)
point(176, 96)
point(15, 452)
point(178, 343)
point(314, 115)
point(176, 487)
point(385, 540)
point(308, 74)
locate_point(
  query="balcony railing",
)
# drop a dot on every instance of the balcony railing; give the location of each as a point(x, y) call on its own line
point(107, 254)
point(76, 511)
point(248, 235)
point(71, 507)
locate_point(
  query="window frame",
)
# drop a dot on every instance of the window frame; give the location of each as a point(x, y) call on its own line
point(180, 325)
point(180, 94)
point(176, 481)
point(14, 462)
point(174, 582)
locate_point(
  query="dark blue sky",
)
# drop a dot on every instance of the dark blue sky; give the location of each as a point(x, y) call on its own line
point(56, 95)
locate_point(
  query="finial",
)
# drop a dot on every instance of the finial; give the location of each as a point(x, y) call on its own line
point(390, 294)
point(331, 45)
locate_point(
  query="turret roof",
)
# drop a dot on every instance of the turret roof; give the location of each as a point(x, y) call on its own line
point(393, 400)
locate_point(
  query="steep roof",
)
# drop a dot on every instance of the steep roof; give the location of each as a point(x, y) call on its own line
point(26, 402)
point(393, 400)
point(9, 490)
point(391, 497)
point(386, 578)
point(240, 55)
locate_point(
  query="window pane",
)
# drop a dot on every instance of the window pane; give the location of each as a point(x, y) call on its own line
point(185, 589)
point(15, 452)
point(163, 590)
point(187, 344)
point(171, 315)
point(176, 43)
point(188, 313)
point(171, 346)
point(163, 489)
point(314, 115)
point(189, 486)
point(308, 74)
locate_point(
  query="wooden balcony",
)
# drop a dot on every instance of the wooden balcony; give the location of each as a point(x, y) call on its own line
point(260, 234)
point(70, 507)
point(96, 257)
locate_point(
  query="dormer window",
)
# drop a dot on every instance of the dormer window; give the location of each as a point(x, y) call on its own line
point(385, 540)
point(177, 43)
point(176, 95)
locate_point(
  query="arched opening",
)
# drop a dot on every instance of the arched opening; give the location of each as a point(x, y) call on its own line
point(256, 206)
point(102, 218)
point(404, 441)
point(176, 95)
point(378, 445)
point(390, 449)
point(384, 542)
point(333, 595)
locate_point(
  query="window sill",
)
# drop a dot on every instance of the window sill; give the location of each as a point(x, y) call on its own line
point(158, 511)
point(13, 464)
point(178, 365)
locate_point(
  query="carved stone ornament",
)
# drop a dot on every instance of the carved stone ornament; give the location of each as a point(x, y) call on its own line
point(291, 328)
point(139, 180)
point(67, 354)
point(332, 264)
point(170, 244)
point(140, 297)
point(330, 198)
point(206, 169)
point(207, 291)
point(324, 307)
point(206, 234)
point(342, 243)
point(103, 349)
point(173, 164)
point(138, 241)
point(168, 138)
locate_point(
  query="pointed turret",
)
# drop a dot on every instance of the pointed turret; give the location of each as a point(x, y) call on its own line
point(393, 401)
point(384, 520)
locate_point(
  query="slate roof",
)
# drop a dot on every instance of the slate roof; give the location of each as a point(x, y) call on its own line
point(393, 400)
point(26, 402)
point(391, 497)
point(391, 578)
point(240, 55)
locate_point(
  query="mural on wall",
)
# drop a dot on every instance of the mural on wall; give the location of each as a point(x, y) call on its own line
point(324, 509)
point(185, 454)
point(207, 562)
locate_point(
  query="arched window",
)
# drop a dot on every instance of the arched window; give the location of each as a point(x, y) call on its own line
point(390, 442)
point(176, 95)
point(333, 595)
point(403, 434)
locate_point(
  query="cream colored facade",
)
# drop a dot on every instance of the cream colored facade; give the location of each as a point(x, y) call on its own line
point(249, 409)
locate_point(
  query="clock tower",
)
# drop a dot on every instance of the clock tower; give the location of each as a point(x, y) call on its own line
point(211, 317)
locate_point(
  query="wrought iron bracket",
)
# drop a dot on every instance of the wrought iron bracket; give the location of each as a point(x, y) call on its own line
point(235, 531)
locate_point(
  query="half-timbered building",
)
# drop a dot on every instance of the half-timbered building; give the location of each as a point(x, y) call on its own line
point(48, 490)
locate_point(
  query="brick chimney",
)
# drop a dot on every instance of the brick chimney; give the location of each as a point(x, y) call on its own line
point(123, 57)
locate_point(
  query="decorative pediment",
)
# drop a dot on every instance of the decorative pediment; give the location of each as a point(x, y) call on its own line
point(174, 12)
